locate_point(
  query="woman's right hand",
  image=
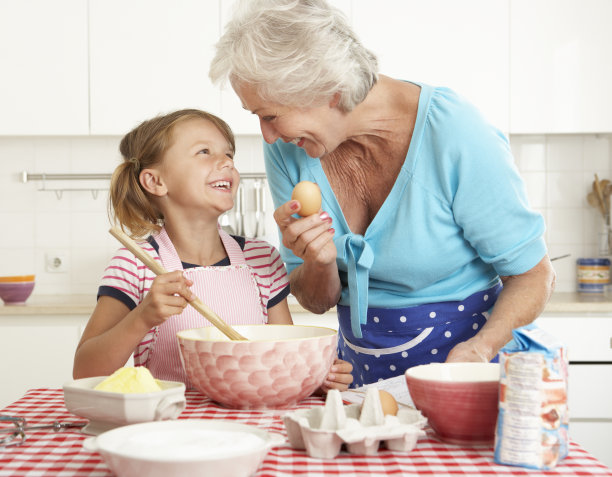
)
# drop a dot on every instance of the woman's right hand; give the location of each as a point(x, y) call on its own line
point(309, 238)
point(169, 295)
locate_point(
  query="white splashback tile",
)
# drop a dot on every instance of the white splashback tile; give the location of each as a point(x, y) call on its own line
point(565, 189)
point(530, 153)
point(535, 184)
point(558, 172)
point(564, 153)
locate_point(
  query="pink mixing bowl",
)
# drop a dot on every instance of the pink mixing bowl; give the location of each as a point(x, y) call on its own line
point(277, 367)
point(15, 293)
point(460, 400)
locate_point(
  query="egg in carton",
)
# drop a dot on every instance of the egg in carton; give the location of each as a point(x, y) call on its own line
point(323, 430)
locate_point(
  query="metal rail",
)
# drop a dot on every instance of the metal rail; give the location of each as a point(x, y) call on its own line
point(27, 176)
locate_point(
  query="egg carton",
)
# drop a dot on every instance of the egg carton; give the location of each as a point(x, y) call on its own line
point(323, 430)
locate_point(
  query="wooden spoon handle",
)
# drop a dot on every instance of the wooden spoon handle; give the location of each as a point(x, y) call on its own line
point(599, 194)
point(158, 269)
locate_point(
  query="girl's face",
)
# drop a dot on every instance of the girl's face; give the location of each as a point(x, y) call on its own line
point(316, 129)
point(198, 169)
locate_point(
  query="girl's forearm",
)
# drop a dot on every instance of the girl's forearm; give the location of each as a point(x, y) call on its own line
point(103, 354)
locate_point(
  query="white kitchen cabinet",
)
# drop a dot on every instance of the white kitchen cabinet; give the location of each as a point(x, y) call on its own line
point(43, 50)
point(36, 352)
point(149, 57)
point(461, 45)
point(589, 345)
point(560, 66)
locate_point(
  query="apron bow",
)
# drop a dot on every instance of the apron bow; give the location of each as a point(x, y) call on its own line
point(359, 258)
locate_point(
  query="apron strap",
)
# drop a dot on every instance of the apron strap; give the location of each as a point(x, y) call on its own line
point(167, 252)
point(234, 252)
point(172, 262)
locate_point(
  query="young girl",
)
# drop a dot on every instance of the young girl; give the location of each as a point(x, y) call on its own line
point(176, 179)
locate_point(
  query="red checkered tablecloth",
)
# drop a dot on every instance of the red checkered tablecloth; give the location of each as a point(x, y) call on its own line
point(52, 453)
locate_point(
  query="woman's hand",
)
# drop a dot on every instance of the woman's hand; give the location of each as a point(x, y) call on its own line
point(339, 376)
point(309, 238)
point(169, 295)
point(469, 351)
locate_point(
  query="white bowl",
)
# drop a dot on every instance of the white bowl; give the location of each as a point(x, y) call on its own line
point(185, 447)
point(106, 410)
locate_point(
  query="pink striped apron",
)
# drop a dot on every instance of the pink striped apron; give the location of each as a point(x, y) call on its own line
point(230, 291)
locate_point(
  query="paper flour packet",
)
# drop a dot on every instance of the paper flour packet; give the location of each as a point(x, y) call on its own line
point(532, 424)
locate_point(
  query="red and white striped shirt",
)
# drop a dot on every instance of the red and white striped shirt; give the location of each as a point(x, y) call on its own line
point(127, 279)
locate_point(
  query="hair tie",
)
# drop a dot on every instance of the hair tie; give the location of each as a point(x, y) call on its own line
point(135, 162)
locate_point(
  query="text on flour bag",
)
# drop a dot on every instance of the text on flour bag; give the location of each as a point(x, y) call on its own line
point(532, 424)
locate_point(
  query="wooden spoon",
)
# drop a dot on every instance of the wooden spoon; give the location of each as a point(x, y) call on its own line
point(157, 268)
point(599, 193)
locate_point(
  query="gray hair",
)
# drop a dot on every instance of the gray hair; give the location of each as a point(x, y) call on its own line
point(295, 53)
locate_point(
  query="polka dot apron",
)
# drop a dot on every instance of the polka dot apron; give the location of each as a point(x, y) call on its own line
point(395, 339)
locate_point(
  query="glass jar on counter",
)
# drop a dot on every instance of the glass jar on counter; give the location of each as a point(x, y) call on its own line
point(593, 274)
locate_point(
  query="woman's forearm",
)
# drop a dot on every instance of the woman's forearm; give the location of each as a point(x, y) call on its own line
point(316, 287)
point(521, 301)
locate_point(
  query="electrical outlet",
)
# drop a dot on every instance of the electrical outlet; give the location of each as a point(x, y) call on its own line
point(56, 262)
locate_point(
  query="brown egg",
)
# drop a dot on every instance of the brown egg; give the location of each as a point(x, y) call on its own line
point(308, 195)
point(388, 403)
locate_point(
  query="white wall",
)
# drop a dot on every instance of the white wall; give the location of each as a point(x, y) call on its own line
point(558, 171)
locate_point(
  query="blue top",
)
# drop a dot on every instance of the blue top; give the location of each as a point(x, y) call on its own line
point(456, 218)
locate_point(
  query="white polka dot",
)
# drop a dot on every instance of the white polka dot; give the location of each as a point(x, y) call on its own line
point(475, 326)
point(403, 319)
point(485, 298)
point(377, 355)
point(447, 334)
point(380, 379)
point(461, 307)
point(447, 323)
point(404, 354)
point(434, 351)
point(376, 319)
point(356, 352)
point(432, 314)
point(366, 367)
point(392, 368)
point(390, 331)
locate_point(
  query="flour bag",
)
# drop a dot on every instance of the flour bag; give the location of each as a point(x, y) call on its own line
point(532, 424)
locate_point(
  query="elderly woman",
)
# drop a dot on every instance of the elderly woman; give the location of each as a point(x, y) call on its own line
point(425, 242)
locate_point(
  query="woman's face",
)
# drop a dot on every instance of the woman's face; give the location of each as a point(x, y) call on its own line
point(198, 168)
point(315, 129)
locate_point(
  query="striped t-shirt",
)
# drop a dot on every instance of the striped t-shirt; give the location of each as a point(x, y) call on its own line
point(128, 280)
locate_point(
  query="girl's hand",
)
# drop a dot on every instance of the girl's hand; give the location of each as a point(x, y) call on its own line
point(339, 376)
point(309, 238)
point(169, 295)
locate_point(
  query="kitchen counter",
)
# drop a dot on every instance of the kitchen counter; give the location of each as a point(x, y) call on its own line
point(575, 303)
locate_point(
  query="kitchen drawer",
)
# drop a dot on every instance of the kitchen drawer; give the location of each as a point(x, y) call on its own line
point(590, 391)
point(595, 438)
point(588, 338)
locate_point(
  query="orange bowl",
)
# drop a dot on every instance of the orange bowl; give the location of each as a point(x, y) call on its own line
point(17, 278)
point(460, 400)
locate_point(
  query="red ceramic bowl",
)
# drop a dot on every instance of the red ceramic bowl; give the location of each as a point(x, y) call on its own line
point(15, 293)
point(460, 400)
point(277, 367)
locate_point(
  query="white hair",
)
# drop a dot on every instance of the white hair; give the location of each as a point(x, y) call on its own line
point(295, 53)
